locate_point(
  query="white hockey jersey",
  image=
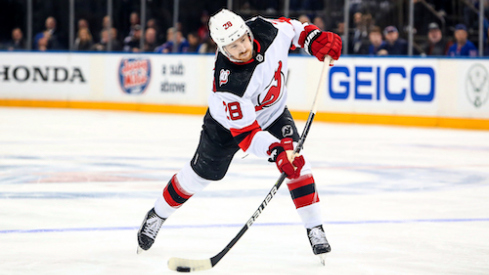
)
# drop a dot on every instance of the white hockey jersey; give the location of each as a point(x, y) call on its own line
point(248, 97)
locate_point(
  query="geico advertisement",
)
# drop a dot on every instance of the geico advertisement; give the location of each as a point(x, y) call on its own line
point(44, 75)
point(156, 78)
point(383, 85)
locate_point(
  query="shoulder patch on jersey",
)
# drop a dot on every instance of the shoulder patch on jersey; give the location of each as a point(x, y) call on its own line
point(223, 77)
point(238, 78)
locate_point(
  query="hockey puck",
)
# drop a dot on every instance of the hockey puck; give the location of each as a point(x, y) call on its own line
point(183, 269)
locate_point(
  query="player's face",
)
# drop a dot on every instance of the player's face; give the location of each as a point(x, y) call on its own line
point(241, 49)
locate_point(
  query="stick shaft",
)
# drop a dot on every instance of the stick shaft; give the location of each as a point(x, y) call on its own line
point(314, 108)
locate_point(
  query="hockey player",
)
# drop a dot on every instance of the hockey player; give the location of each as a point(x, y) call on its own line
point(247, 110)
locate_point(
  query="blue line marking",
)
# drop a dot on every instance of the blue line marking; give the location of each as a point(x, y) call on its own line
point(123, 228)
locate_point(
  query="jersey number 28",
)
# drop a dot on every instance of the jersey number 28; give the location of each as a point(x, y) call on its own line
point(234, 110)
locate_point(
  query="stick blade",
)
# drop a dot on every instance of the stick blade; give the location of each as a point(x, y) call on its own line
point(186, 265)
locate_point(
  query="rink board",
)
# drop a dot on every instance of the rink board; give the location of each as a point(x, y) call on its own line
point(399, 91)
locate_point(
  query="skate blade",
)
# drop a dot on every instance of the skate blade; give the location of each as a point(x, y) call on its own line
point(140, 250)
point(322, 258)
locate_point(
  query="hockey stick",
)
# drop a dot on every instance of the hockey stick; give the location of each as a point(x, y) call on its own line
point(188, 265)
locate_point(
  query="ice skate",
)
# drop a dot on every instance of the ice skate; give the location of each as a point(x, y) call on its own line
point(148, 230)
point(319, 243)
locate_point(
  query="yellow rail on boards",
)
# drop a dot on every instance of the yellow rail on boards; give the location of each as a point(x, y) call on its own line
point(445, 122)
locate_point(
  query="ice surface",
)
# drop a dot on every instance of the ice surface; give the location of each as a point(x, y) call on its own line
point(76, 184)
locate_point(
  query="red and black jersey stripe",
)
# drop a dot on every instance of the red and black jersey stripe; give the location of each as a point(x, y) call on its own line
point(174, 194)
point(303, 191)
point(245, 135)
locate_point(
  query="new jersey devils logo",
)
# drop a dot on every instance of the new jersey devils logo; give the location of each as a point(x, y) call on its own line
point(274, 90)
point(223, 77)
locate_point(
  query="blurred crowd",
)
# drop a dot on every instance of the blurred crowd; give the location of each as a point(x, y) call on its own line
point(366, 38)
point(173, 40)
point(369, 32)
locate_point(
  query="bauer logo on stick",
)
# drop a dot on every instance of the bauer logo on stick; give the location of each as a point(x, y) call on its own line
point(134, 75)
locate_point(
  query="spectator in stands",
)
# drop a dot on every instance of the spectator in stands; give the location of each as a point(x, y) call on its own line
point(53, 40)
point(49, 33)
point(134, 21)
point(436, 44)
point(304, 19)
point(209, 46)
point(83, 24)
point(462, 46)
point(182, 43)
point(173, 36)
point(114, 37)
point(149, 40)
point(106, 22)
point(193, 42)
point(84, 41)
point(104, 40)
point(102, 44)
point(105, 26)
point(340, 30)
point(116, 45)
point(393, 44)
point(203, 30)
point(131, 42)
point(376, 41)
point(17, 42)
point(152, 23)
point(319, 22)
point(360, 33)
point(167, 47)
point(42, 43)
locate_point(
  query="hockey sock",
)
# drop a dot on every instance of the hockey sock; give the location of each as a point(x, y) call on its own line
point(179, 189)
point(310, 215)
point(303, 191)
point(173, 197)
point(304, 194)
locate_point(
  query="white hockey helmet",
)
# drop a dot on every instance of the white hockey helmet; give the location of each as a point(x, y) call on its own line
point(226, 27)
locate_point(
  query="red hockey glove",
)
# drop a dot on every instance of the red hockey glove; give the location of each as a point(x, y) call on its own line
point(319, 43)
point(282, 154)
